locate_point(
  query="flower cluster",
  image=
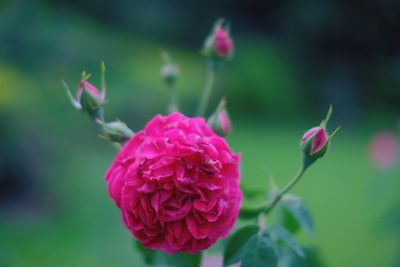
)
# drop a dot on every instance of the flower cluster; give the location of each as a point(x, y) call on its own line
point(176, 182)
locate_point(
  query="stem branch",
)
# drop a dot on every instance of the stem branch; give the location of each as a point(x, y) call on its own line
point(205, 97)
point(173, 104)
point(284, 190)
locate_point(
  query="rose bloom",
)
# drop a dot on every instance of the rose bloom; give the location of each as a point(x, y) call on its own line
point(177, 185)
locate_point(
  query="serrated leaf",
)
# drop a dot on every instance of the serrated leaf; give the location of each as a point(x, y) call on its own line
point(259, 252)
point(312, 259)
point(299, 211)
point(236, 242)
point(281, 233)
point(181, 259)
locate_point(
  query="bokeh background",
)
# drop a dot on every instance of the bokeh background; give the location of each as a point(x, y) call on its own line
point(292, 59)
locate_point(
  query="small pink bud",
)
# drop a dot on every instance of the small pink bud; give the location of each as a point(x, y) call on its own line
point(318, 138)
point(219, 121)
point(223, 43)
point(90, 99)
point(91, 89)
point(315, 141)
point(219, 44)
point(225, 121)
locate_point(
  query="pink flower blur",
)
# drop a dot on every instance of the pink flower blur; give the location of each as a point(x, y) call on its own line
point(177, 185)
point(320, 140)
point(223, 42)
point(383, 150)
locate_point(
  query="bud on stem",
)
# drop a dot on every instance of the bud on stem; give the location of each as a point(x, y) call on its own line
point(170, 73)
point(115, 131)
point(88, 98)
point(219, 43)
point(315, 142)
point(219, 121)
point(314, 145)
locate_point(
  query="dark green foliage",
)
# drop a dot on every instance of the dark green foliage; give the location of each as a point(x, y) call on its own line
point(299, 211)
point(236, 244)
point(312, 259)
point(259, 251)
point(279, 233)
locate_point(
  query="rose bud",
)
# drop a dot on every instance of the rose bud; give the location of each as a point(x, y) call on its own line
point(315, 141)
point(219, 44)
point(219, 121)
point(88, 98)
point(115, 131)
point(176, 184)
point(169, 71)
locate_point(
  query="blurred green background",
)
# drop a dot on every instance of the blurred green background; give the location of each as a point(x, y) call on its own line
point(292, 59)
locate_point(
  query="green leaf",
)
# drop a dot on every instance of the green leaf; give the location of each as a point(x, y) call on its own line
point(159, 258)
point(288, 220)
point(312, 259)
point(236, 242)
point(181, 259)
point(251, 212)
point(280, 233)
point(148, 255)
point(300, 212)
point(252, 193)
point(259, 252)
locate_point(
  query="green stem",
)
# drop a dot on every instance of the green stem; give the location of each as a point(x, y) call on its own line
point(287, 188)
point(173, 105)
point(205, 97)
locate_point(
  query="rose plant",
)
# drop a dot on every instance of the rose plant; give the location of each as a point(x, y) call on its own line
point(177, 181)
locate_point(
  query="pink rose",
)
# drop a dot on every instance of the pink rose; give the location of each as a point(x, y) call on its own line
point(177, 185)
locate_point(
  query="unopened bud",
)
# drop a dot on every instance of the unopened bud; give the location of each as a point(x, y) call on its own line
point(88, 98)
point(219, 121)
point(315, 141)
point(169, 71)
point(219, 44)
point(115, 131)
